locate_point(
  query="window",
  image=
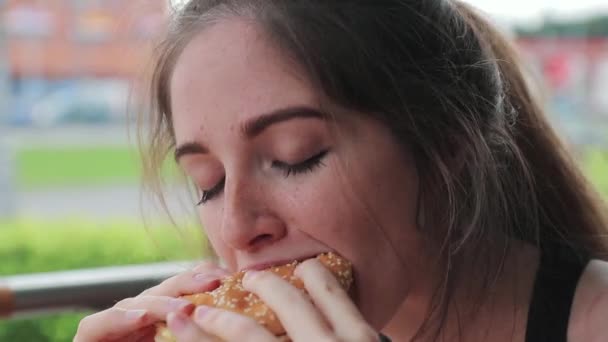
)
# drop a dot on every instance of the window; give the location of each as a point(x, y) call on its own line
point(30, 21)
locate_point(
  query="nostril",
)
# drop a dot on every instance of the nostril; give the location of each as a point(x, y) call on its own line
point(261, 238)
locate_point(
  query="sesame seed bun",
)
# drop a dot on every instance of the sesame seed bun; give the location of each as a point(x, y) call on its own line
point(231, 295)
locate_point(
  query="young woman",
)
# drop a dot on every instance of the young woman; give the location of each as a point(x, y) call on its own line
point(400, 134)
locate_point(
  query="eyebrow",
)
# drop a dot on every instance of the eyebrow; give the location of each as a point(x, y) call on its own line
point(255, 127)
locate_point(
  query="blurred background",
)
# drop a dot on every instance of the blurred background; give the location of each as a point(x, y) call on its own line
point(69, 174)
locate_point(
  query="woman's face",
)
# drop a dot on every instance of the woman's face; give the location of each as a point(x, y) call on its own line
point(281, 180)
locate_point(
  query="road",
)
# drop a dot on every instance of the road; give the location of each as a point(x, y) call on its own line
point(114, 202)
point(69, 135)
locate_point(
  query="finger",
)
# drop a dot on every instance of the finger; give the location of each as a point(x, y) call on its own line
point(334, 303)
point(294, 309)
point(143, 335)
point(112, 324)
point(204, 277)
point(184, 329)
point(127, 316)
point(157, 306)
point(230, 326)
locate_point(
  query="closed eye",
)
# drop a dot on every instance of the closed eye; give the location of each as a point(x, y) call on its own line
point(307, 165)
point(211, 193)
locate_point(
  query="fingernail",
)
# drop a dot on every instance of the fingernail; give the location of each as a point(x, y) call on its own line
point(178, 303)
point(201, 311)
point(176, 322)
point(134, 315)
point(249, 276)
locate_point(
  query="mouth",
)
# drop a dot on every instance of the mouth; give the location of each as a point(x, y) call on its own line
point(268, 264)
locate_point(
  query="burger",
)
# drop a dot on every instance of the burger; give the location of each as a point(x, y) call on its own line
point(231, 295)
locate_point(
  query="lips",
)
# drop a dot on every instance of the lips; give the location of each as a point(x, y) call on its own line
point(267, 264)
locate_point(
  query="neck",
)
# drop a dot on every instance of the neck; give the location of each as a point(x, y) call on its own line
point(501, 309)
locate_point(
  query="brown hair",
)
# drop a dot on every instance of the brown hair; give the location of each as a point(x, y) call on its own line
point(451, 88)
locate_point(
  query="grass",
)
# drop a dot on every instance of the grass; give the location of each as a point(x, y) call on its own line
point(44, 167)
point(56, 167)
point(596, 168)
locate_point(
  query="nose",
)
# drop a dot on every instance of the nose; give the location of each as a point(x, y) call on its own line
point(249, 222)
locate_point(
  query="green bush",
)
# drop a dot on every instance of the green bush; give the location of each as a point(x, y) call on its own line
point(28, 247)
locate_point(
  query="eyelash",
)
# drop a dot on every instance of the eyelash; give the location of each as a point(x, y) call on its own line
point(209, 194)
point(306, 166)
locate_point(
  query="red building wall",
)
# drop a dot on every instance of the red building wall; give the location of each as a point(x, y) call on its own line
point(72, 38)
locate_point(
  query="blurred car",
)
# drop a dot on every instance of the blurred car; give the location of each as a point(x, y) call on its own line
point(86, 102)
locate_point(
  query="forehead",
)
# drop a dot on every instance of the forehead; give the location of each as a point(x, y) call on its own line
point(228, 73)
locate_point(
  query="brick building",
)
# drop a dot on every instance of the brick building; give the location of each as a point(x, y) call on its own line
point(72, 38)
point(64, 46)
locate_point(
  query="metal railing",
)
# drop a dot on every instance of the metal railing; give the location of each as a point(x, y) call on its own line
point(89, 289)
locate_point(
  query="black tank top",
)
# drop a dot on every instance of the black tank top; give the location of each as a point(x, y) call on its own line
point(556, 279)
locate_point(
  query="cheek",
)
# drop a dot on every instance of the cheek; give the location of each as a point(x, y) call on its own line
point(323, 208)
point(366, 204)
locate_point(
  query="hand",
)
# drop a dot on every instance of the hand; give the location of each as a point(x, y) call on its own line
point(133, 319)
point(330, 316)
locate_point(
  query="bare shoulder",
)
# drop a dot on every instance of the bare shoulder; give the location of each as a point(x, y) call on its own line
point(589, 315)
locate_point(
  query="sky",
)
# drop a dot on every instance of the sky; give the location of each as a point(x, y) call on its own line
point(534, 10)
point(522, 10)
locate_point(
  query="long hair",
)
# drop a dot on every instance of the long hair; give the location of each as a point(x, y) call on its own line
point(451, 89)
